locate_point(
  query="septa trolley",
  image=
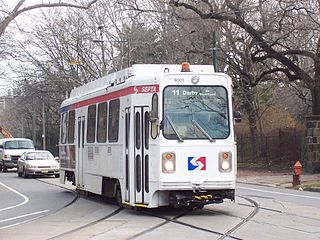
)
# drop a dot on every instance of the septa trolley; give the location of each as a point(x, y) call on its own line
point(152, 135)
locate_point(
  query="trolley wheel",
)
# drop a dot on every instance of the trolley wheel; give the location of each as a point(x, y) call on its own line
point(73, 180)
point(118, 196)
point(200, 206)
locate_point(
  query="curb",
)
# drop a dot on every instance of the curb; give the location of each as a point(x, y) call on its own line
point(310, 189)
point(258, 184)
point(280, 185)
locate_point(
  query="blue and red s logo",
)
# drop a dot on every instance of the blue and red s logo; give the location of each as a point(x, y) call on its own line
point(197, 164)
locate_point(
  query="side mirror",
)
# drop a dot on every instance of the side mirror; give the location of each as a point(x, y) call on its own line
point(57, 159)
point(237, 116)
point(161, 125)
point(153, 116)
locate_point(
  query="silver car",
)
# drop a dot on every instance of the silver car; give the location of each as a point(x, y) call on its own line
point(37, 163)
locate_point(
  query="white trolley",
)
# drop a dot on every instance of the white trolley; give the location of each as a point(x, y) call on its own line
point(152, 135)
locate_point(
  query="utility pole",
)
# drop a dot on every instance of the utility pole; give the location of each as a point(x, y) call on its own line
point(22, 129)
point(34, 127)
point(120, 41)
point(43, 127)
point(214, 57)
point(101, 41)
point(33, 122)
point(128, 42)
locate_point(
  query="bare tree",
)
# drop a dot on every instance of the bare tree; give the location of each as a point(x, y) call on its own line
point(69, 48)
point(20, 8)
point(178, 39)
point(285, 32)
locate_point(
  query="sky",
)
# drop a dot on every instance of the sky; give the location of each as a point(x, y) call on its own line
point(7, 79)
point(22, 21)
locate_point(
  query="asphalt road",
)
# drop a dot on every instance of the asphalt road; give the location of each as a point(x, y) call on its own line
point(23, 200)
point(258, 213)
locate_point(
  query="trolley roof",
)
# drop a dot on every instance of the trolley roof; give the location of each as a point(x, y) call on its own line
point(139, 72)
point(121, 76)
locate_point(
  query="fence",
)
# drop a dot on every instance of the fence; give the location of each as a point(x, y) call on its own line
point(281, 150)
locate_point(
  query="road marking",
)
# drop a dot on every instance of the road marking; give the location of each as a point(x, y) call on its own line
point(22, 216)
point(19, 223)
point(16, 224)
point(279, 193)
point(26, 199)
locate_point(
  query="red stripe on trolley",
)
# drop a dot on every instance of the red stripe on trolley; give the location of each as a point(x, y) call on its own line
point(116, 94)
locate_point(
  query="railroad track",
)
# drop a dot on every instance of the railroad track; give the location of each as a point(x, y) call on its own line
point(221, 235)
point(174, 216)
point(65, 234)
point(168, 220)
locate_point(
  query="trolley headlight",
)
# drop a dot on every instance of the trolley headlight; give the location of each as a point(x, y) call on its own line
point(225, 161)
point(168, 162)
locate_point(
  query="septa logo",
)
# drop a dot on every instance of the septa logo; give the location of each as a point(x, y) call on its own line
point(197, 164)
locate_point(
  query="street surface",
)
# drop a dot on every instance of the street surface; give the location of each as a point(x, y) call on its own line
point(23, 200)
point(38, 209)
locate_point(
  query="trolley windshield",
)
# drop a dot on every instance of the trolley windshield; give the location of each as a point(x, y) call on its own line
point(195, 112)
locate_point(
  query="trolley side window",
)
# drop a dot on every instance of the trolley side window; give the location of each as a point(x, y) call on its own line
point(102, 122)
point(91, 127)
point(64, 122)
point(146, 129)
point(71, 126)
point(138, 131)
point(113, 127)
point(155, 116)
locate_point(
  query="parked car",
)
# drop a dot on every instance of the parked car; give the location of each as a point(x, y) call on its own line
point(37, 163)
point(11, 149)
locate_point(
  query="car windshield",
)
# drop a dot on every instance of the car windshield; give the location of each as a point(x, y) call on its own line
point(195, 112)
point(40, 156)
point(19, 144)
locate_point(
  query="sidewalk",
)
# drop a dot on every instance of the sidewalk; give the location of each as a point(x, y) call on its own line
point(309, 182)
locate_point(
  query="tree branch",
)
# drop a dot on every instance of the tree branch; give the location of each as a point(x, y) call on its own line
point(287, 52)
point(16, 12)
point(238, 20)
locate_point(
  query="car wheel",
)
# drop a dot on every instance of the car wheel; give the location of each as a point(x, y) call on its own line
point(5, 169)
point(19, 173)
point(56, 175)
point(0, 168)
point(24, 174)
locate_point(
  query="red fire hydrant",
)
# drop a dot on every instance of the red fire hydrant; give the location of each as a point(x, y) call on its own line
point(297, 168)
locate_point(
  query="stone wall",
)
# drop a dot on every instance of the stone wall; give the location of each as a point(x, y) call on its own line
point(313, 143)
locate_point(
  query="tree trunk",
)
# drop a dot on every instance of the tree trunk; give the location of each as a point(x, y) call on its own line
point(251, 111)
point(316, 98)
point(315, 91)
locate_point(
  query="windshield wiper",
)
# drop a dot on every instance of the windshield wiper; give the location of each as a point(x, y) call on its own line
point(174, 128)
point(202, 130)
